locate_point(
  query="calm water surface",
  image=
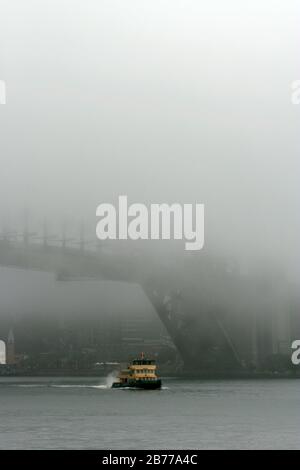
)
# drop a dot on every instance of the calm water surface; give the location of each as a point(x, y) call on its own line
point(84, 413)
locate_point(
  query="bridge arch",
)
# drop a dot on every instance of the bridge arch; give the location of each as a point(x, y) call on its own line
point(197, 335)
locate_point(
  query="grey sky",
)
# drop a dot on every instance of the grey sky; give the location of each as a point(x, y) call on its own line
point(165, 101)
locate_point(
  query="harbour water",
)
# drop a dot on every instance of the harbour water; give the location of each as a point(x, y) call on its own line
point(84, 413)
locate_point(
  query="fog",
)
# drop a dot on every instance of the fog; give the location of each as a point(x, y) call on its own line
point(164, 101)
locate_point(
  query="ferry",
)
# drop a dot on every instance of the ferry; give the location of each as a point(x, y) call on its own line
point(140, 373)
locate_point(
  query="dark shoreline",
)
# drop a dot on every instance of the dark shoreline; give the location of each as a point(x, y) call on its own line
point(245, 375)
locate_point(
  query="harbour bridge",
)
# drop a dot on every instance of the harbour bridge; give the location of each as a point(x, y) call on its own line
point(186, 291)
